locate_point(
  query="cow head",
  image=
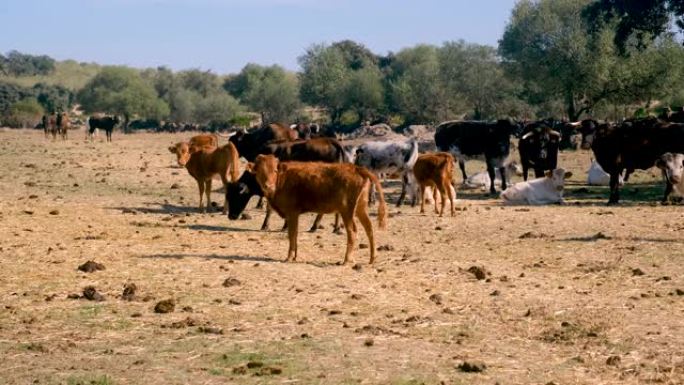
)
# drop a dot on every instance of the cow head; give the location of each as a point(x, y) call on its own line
point(587, 128)
point(265, 168)
point(558, 177)
point(239, 193)
point(672, 166)
point(182, 151)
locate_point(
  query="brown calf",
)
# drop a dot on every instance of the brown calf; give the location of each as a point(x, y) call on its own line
point(63, 124)
point(435, 170)
point(183, 150)
point(204, 164)
point(293, 188)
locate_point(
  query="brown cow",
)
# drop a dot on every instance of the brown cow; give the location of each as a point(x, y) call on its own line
point(204, 164)
point(183, 150)
point(435, 170)
point(293, 188)
point(52, 123)
point(63, 124)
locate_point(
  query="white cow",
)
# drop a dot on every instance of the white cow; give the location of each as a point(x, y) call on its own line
point(540, 191)
point(597, 177)
point(673, 173)
point(482, 181)
point(389, 157)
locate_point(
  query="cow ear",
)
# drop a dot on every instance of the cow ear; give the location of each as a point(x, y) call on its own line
point(568, 174)
point(172, 149)
point(249, 167)
point(660, 164)
point(548, 174)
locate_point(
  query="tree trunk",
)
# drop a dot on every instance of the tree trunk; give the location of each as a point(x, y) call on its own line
point(571, 109)
point(127, 119)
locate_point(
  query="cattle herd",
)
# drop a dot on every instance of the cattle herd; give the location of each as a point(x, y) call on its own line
point(323, 176)
point(299, 171)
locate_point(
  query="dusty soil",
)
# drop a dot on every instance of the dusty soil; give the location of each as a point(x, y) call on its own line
point(574, 294)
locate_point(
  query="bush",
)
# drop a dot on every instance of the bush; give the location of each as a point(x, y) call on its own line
point(25, 113)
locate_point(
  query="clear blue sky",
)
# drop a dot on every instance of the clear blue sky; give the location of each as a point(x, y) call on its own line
point(224, 35)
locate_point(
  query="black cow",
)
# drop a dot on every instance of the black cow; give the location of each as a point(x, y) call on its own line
point(250, 144)
point(634, 144)
point(538, 148)
point(474, 139)
point(327, 150)
point(106, 123)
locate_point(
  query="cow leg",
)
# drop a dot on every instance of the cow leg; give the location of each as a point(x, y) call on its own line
point(200, 184)
point(336, 227)
point(349, 225)
point(207, 190)
point(502, 171)
point(668, 190)
point(260, 204)
point(362, 214)
point(461, 165)
point(404, 185)
point(264, 226)
point(492, 176)
point(525, 170)
point(316, 224)
point(422, 198)
point(614, 187)
point(224, 179)
point(371, 195)
point(447, 187)
point(293, 224)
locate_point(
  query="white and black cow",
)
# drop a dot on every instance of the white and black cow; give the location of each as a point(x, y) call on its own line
point(477, 140)
point(673, 173)
point(389, 157)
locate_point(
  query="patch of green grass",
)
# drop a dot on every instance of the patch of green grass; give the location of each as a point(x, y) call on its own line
point(90, 311)
point(90, 380)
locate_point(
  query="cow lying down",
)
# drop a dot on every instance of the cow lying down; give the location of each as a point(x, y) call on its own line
point(540, 191)
point(482, 181)
point(294, 188)
point(597, 177)
point(673, 173)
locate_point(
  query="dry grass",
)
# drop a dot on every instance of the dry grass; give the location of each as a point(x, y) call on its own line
point(562, 302)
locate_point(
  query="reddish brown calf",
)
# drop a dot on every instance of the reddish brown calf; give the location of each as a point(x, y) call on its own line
point(204, 164)
point(435, 170)
point(183, 150)
point(294, 188)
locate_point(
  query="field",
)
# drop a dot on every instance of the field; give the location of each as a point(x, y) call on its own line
point(575, 294)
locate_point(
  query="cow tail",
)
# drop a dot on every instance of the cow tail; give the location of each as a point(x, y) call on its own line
point(382, 206)
point(413, 154)
point(234, 159)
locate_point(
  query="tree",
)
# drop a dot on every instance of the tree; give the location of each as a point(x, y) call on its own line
point(25, 113)
point(121, 90)
point(217, 110)
point(331, 73)
point(547, 45)
point(204, 83)
point(53, 97)
point(271, 91)
point(19, 64)
point(644, 19)
point(11, 93)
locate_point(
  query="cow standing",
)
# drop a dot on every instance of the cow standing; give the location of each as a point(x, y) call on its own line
point(315, 150)
point(474, 139)
point(538, 148)
point(46, 126)
point(106, 123)
point(250, 144)
point(52, 123)
point(634, 144)
point(184, 150)
point(436, 171)
point(204, 164)
point(391, 157)
point(294, 188)
point(63, 124)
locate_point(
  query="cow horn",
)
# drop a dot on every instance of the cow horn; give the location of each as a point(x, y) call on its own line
point(555, 133)
point(527, 135)
point(226, 135)
point(575, 124)
point(244, 189)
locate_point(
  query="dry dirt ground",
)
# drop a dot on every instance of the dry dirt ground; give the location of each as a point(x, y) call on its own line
point(574, 294)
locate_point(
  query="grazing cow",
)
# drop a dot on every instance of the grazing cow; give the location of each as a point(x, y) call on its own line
point(481, 179)
point(634, 144)
point(249, 144)
point(294, 188)
point(388, 158)
point(538, 148)
point(239, 193)
point(106, 123)
point(183, 150)
point(204, 164)
point(597, 177)
point(63, 124)
point(541, 191)
point(473, 139)
point(436, 171)
point(673, 173)
point(314, 150)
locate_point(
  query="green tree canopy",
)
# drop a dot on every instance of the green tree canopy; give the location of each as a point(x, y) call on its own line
point(25, 113)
